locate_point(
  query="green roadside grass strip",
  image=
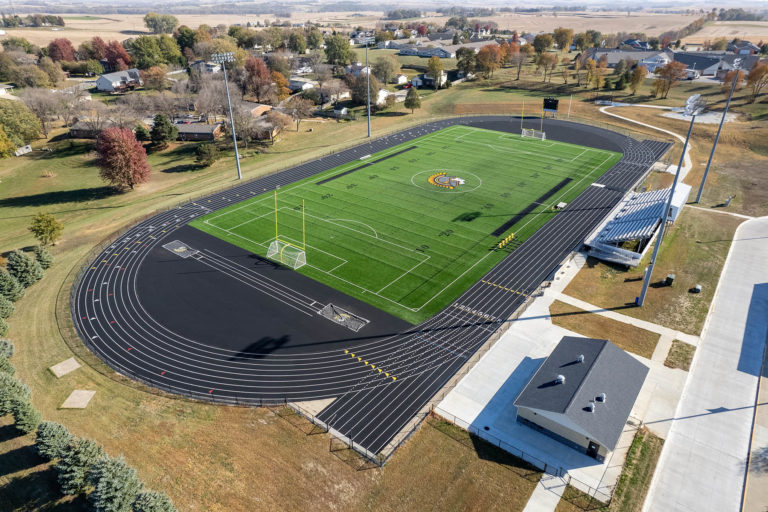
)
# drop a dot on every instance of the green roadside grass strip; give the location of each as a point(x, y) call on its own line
point(387, 236)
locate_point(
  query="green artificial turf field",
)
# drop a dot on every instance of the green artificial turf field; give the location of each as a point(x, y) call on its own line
point(389, 234)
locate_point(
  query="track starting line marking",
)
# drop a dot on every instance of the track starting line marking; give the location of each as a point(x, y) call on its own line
point(510, 290)
point(368, 363)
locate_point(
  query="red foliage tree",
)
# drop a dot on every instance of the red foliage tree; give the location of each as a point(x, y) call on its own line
point(122, 159)
point(116, 55)
point(257, 81)
point(99, 48)
point(422, 30)
point(61, 49)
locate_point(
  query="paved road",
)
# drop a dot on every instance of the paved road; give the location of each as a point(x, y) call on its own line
point(703, 464)
point(371, 406)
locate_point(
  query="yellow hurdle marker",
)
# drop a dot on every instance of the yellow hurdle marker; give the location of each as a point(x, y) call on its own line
point(346, 351)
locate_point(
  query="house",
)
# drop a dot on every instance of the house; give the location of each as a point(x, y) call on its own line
point(743, 48)
point(651, 60)
point(636, 44)
point(583, 394)
point(730, 62)
point(358, 69)
point(85, 129)
point(199, 131)
point(706, 64)
point(298, 83)
point(400, 79)
point(257, 109)
point(204, 67)
point(381, 97)
point(119, 81)
point(417, 81)
point(429, 81)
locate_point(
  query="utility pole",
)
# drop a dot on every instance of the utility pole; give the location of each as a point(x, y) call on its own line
point(693, 106)
point(222, 59)
point(717, 137)
point(368, 87)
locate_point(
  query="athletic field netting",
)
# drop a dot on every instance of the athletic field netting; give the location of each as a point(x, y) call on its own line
point(408, 229)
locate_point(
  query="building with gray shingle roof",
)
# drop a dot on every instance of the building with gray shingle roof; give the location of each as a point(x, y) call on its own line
point(583, 394)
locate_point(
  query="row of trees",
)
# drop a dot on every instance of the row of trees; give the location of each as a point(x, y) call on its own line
point(17, 273)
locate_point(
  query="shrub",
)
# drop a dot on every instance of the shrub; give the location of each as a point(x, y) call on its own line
point(11, 390)
point(43, 257)
point(52, 439)
point(153, 501)
point(10, 288)
point(25, 416)
point(6, 307)
point(26, 270)
point(207, 153)
point(6, 348)
point(115, 485)
point(75, 464)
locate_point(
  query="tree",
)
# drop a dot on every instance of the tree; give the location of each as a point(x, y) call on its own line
point(489, 59)
point(3, 327)
point(275, 122)
point(26, 270)
point(185, 37)
point(357, 87)
point(620, 68)
point(46, 229)
point(44, 103)
point(160, 23)
point(75, 464)
point(542, 43)
point(117, 56)
point(757, 79)
point(337, 50)
point(580, 40)
point(122, 159)
point(594, 38)
point(52, 70)
point(435, 70)
point(43, 257)
point(207, 153)
point(25, 417)
point(466, 60)
point(297, 43)
point(564, 38)
point(667, 77)
point(314, 38)
point(115, 485)
point(597, 75)
point(638, 75)
point(61, 49)
point(728, 79)
point(547, 61)
point(257, 80)
point(155, 78)
point(146, 52)
point(7, 148)
point(52, 439)
point(385, 68)
point(141, 133)
point(18, 122)
point(6, 348)
point(10, 288)
point(6, 310)
point(11, 391)
point(522, 58)
point(163, 131)
point(301, 108)
point(153, 501)
point(654, 42)
point(412, 99)
point(281, 85)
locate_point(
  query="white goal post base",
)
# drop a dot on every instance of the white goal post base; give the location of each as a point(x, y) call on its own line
point(287, 254)
point(537, 134)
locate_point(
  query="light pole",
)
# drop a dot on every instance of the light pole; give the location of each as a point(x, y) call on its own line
point(368, 87)
point(693, 106)
point(222, 59)
point(717, 137)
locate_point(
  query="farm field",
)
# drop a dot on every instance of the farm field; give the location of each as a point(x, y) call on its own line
point(754, 31)
point(408, 229)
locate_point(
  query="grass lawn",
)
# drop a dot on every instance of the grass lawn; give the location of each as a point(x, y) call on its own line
point(633, 484)
point(388, 232)
point(694, 249)
point(627, 337)
point(680, 355)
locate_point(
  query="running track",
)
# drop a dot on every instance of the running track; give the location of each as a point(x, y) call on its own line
point(370, 406)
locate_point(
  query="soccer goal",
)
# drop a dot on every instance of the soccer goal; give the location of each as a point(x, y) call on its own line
point(287, 254)
point(534, 133)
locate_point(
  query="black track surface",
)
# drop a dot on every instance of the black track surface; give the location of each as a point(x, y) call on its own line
point(227, 325)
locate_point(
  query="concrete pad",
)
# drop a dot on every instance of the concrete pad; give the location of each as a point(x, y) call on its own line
point(313, 407)
point(64, 367)
point(703, 462)
point(78, 399)
point(546, 495)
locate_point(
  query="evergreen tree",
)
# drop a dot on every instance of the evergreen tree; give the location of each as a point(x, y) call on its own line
point(10, 288)
point(75, 464)
point(6, 366)
point(3, 327)
point(6, 348)
point(141, 133)
point(52, 439)
point(6, 307)
point(26, 270)
point(25, 416)
point(412, 99)
point(11, 390)
point(43, 257)
point(163, 131)
point(207, 153)
point(153, 501)
point(115, 485)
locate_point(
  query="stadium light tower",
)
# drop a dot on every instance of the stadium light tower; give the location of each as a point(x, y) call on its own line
point(368, 86)
point(222, 59)
point(719, 129)
point(693, 106)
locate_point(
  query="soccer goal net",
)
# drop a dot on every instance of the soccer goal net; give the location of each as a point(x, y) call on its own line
point(287, 254)
point(534, 133)
point(343, 317)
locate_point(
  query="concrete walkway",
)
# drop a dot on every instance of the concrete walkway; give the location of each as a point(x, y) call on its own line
point(703, 463)
point(756, 494)
point(546, 495)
